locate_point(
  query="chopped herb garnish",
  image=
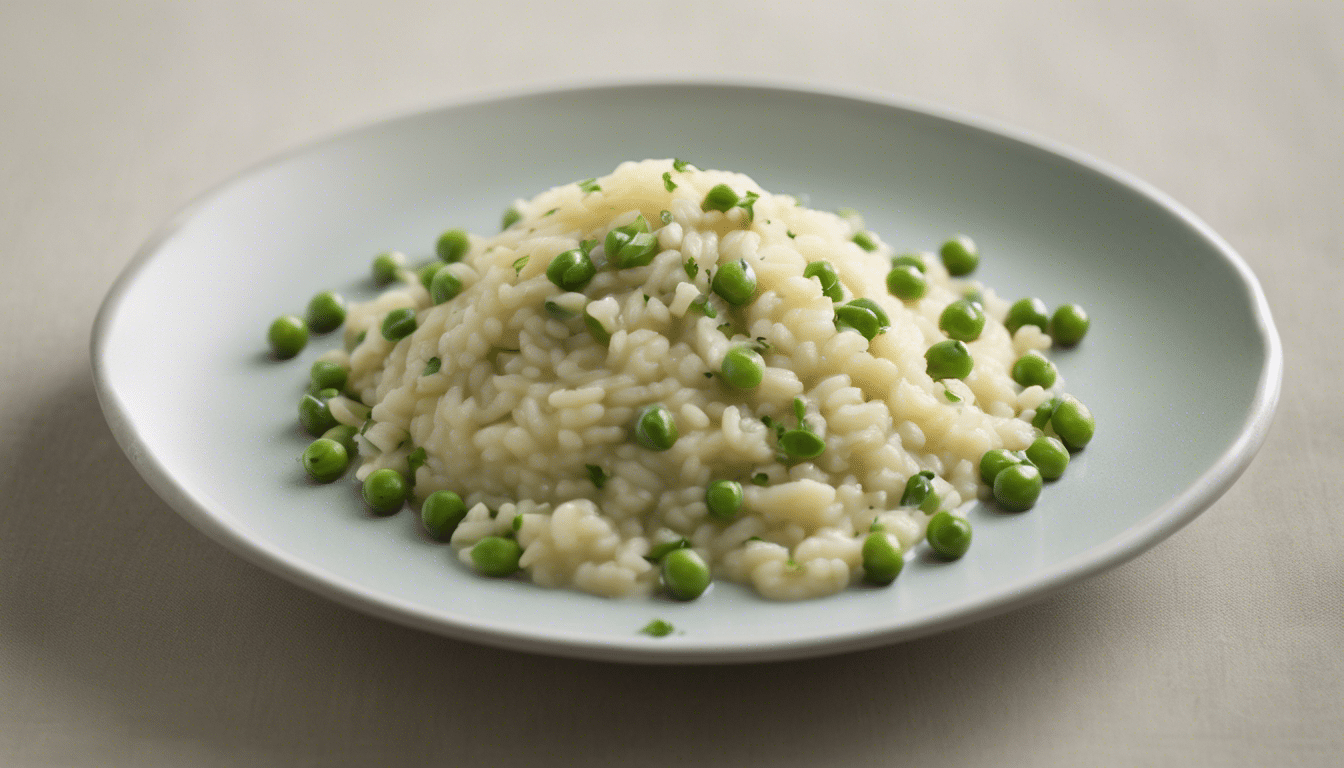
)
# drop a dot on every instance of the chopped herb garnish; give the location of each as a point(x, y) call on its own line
point(709, 374)
point(519, 264)
point(865, 241)
point(790, 233)
point(597, 474)
point(680, 165)
point(668, 182)
point(747, 204)
point(692, 269)
point(760, 478)
point(726, 329)
point(665, 217)
point(589, 186)
point(432, 367)
point(799, 410)
point(657, 628)
point(761, 344)
point(703, 306)
point(755, 538)
point(800, 443)
point(548, 213)
point(951, 397)
point(646, 298)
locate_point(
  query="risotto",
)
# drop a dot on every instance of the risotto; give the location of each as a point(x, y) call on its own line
point(667, 376)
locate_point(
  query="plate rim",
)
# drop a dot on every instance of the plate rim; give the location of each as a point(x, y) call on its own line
point(1156, 526)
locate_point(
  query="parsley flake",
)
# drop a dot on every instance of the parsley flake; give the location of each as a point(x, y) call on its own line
point(668, 183)
point(703, 306)
point(597, 474)
point(665, 217)
point(692, 269)
point(519, 264)
point(760, 478)
point(680, 166)
point(432, 367)
point(589, 186)
point(951, 397)
point(548, 213)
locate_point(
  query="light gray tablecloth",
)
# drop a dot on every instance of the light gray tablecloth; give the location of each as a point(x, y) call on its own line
point(127, 638)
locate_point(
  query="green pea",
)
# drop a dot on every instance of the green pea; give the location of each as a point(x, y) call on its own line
point(441, 513)
point(861, 315)
point(994, 461)
point(1069, 325)
point(571, 270)
point(385, 491)
point(326, 312)
point(685, 574)
point(314, 414)
point(511, 217)
point(720, 198)
point(743, 368)
point(657, 553)
point(453, 245)
point(1033, 369)
point(445, 286)
point(800, 444)
point(919, 493)
point(328, 375)
point(1043, 413)
point(1050, 457)
point(427, 273)
point(288, 335)
point(1073, 422)
point(1017, 487)
point(386, 266)
point(907, 283)
point(827, 276)
point(345, 435)
point(865, 241)
point(724, 499)
point(325, 460)
point(599, 332)
point(1030, 311)
point(949, 536)
point(960, 256)
point(735, 282)
point(631, 245)
point(909, 260)
point(882, 562)
point(949, 359)
point(656, 429)
point(962, 320)
point(496, 556)
point(399, 324)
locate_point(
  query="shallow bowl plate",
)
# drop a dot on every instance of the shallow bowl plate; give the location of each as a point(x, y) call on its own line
point(1181, 368)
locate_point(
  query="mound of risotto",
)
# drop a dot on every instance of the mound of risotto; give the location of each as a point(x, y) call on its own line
point(668, 376)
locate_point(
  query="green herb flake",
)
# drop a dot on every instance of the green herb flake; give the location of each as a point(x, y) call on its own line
point(760, 478)
point(790, 233)
point(665, 217)
point(762, 345)
point(951, 397)
point(709, 374)
point(646, 298)
point(548, 213)
point(598, 475)
point(726, 329)
point(658, 628)
point(692, 269)
point(432, 367)
point(703, 306)
point(747, 204)
point(519, 264)
point(589, 186)
point(680, 166)
point(668, 183)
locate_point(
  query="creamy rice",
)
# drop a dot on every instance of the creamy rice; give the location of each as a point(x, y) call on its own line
point(524, 402)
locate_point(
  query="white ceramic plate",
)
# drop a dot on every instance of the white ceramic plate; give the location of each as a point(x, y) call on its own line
point(1181, 368)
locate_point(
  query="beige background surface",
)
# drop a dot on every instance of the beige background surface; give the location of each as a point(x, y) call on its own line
point(127, 638)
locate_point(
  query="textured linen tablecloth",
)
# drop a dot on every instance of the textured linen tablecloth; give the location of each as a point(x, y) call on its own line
point(128, 638)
